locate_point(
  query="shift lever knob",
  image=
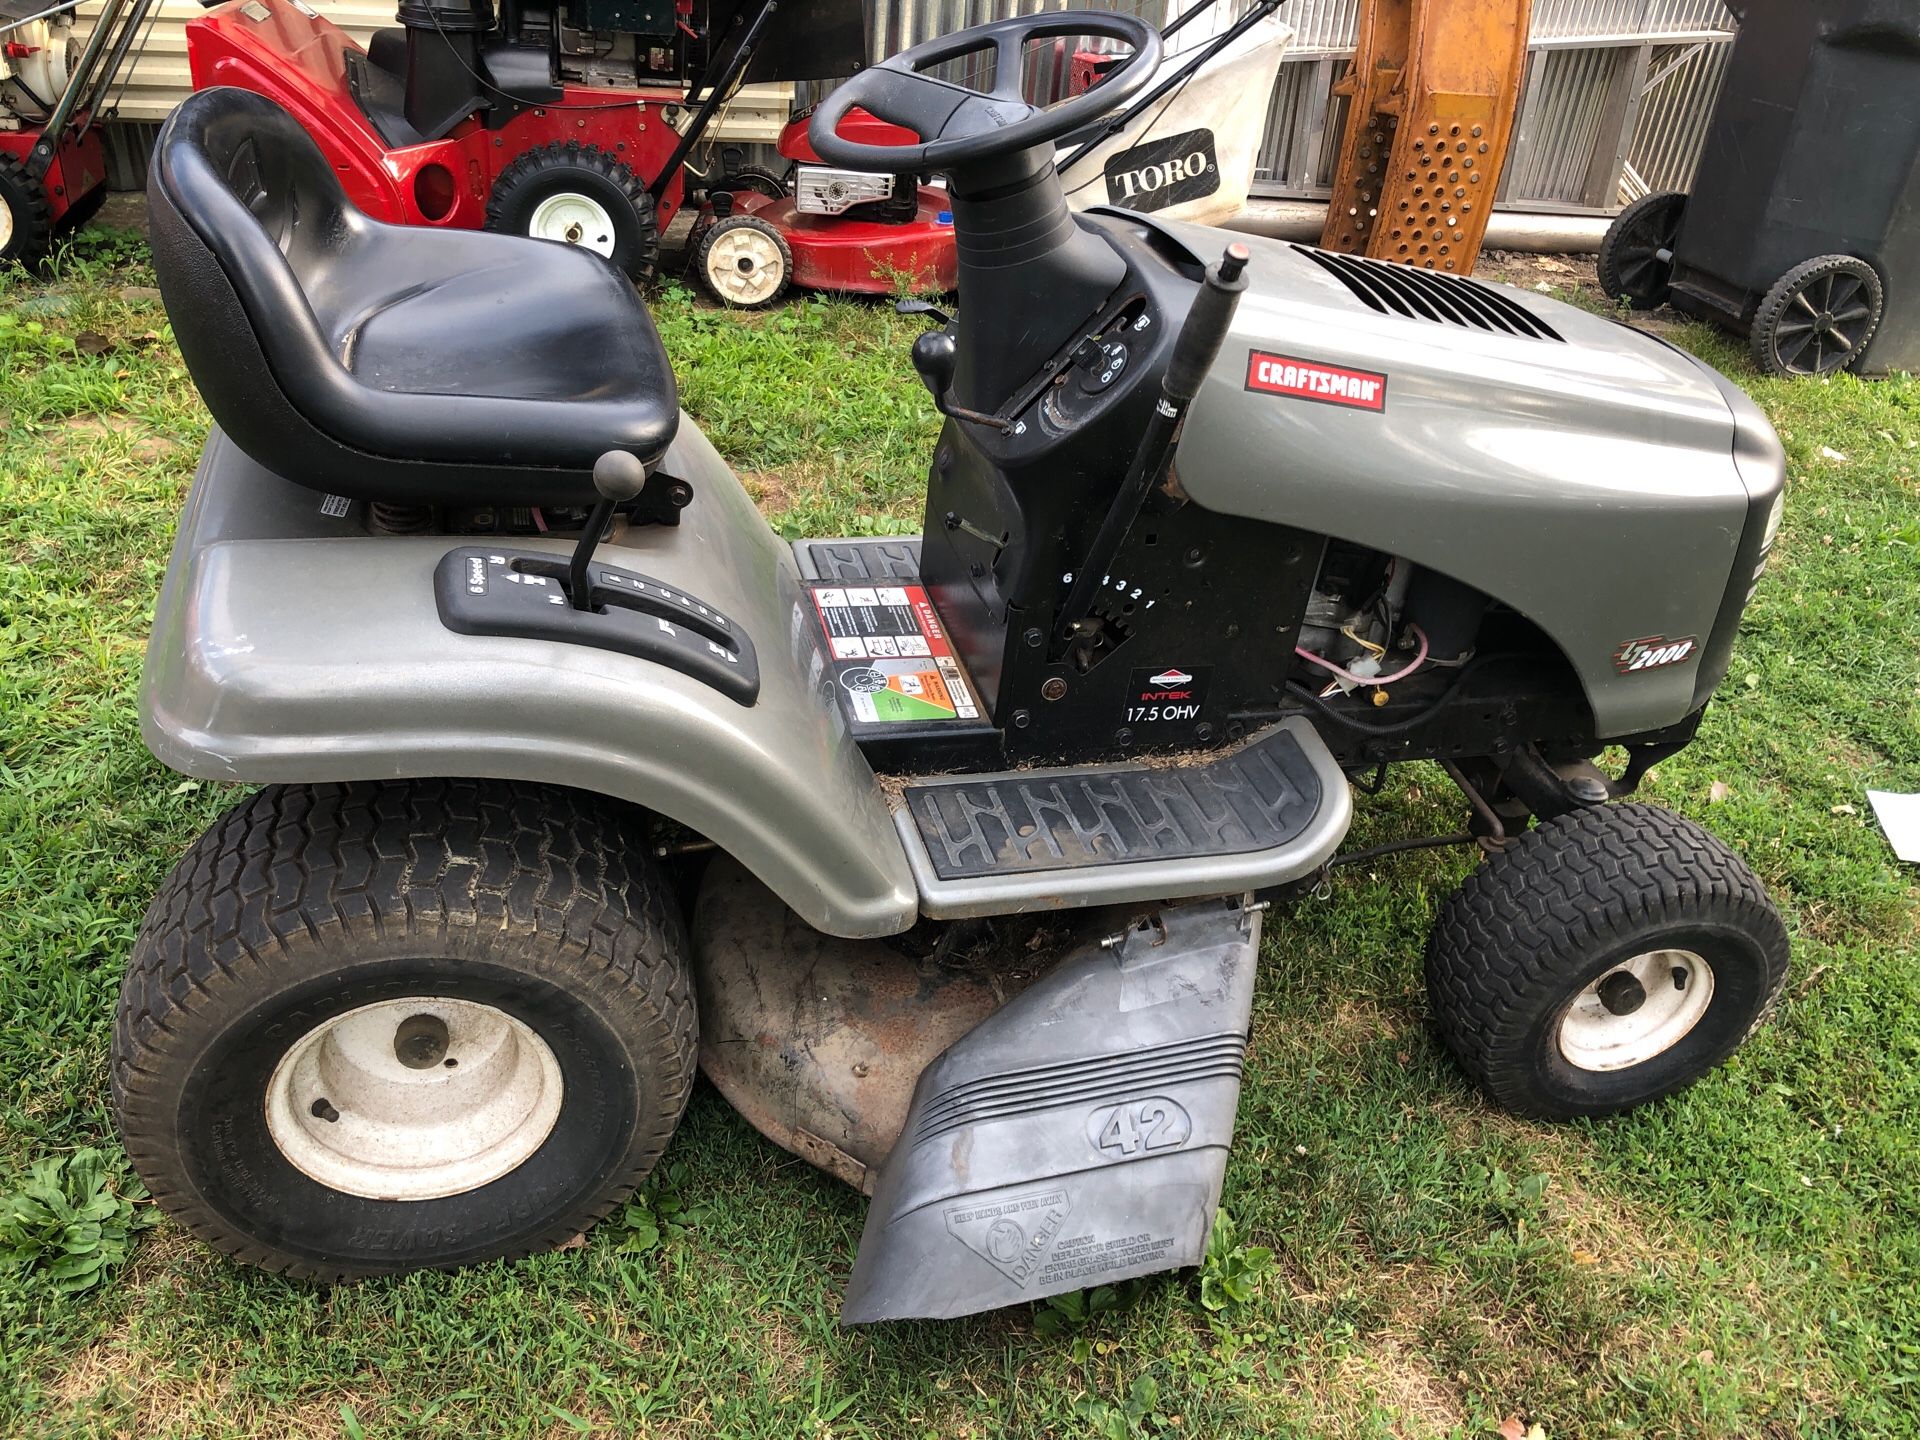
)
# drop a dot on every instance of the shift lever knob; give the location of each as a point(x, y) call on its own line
point(618, 476)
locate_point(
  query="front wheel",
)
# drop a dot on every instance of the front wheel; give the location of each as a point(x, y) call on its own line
point(744, 262)
point(379, 1027)
point(1608, 958)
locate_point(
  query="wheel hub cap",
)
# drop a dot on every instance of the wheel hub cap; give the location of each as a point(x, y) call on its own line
point(744, 266)
point(573, 219)
point(414, 1099)
point(1636, 1011)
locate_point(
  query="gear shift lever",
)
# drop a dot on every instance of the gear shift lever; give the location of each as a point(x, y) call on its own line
point(618, 477)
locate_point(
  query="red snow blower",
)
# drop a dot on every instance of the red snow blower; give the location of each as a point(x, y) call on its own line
point(570, 121)
point(53, 167)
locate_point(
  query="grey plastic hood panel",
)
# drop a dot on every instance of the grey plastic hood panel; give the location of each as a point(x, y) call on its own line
point(291, 646)
point(1590, 485)
point(1075, 1137)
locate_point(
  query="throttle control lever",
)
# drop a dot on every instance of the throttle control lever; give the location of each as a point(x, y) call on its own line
point(1194, 352)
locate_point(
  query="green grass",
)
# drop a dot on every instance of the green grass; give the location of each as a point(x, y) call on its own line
point(1741, 1261)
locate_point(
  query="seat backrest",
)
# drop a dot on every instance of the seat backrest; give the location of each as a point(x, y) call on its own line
point(241, 205)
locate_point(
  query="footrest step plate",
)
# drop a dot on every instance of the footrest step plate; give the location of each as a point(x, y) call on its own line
point(1267, 812)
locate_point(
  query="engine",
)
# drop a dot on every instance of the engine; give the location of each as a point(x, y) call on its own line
point(36, 60)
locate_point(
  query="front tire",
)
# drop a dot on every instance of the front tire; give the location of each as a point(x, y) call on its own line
point(372, 1028)
point(1609, 957)
point(744, 262)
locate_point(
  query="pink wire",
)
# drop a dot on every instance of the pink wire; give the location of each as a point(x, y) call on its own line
point(1419, 659)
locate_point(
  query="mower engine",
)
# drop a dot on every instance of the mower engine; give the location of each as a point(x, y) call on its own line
point(819, 190)
point(36, 60)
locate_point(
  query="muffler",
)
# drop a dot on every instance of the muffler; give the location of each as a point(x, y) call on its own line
point(1071, 1132)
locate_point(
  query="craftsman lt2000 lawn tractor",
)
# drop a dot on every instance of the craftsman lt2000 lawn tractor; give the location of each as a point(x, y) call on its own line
point(947, 858)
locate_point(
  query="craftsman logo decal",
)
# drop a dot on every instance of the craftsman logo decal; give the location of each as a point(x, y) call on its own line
point(1653, 652)
point(1164, 172)
point(1168, 696)
point(1311, 380)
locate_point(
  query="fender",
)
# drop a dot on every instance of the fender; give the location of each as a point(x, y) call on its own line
point(291, 646)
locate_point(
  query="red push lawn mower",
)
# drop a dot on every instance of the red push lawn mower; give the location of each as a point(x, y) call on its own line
point(569, 121)
point(1185, 147)
point(53, 167)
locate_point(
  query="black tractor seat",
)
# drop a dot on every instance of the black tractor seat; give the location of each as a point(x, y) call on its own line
point(386, 362)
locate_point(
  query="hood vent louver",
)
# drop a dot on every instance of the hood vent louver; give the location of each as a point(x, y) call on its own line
point(1426, 295)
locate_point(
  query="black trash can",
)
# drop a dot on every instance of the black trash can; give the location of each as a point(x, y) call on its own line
point(1803, 224)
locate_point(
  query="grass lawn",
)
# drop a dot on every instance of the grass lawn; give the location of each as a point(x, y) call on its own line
point(1741, 1261)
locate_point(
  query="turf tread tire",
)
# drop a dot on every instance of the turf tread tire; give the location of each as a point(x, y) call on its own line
point(1572, 887)
point(297, 867)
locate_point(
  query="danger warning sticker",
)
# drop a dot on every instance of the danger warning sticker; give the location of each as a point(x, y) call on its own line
point(1313, 380)
point(891, 655)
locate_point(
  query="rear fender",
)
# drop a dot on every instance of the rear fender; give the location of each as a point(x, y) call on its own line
point(291, 645)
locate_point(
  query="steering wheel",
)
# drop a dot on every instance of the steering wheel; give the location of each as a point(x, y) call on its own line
point(957, 125)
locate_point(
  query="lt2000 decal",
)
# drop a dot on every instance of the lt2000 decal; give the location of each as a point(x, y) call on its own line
point(1652, 652)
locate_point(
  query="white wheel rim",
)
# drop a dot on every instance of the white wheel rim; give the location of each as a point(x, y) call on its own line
point(744, 266)
point(1674, 989)
point(478, 1093)
point(573, 219)
point(6, 224)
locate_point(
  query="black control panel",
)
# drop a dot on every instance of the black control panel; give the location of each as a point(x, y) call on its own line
point(524, 593)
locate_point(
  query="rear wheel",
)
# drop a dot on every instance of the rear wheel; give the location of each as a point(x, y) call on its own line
point(576, 194)
point(1636, 256)
point(752, 180)
point(1818, 317)
point(25, 226)
point(378, 1027)
point(1607, 958)
point(744, 262)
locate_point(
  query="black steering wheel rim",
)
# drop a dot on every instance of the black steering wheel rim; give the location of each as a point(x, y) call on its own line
point(973, 125)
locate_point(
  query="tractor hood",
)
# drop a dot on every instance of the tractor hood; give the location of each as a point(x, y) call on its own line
point(1590, 476)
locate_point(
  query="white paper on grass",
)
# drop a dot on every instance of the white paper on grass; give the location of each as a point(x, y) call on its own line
point(1899, 817)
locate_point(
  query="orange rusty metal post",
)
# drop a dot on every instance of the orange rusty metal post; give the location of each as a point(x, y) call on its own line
point(1432, 95)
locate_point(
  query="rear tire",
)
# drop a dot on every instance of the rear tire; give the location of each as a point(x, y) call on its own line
point(744, 262)
point(514, 927)
point(26, 228)
point(1609, 957)
point(1629, 266)
point(574, 194)
point(751, 180)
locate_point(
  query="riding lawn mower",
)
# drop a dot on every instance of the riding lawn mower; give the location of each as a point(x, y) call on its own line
point(947, 858)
